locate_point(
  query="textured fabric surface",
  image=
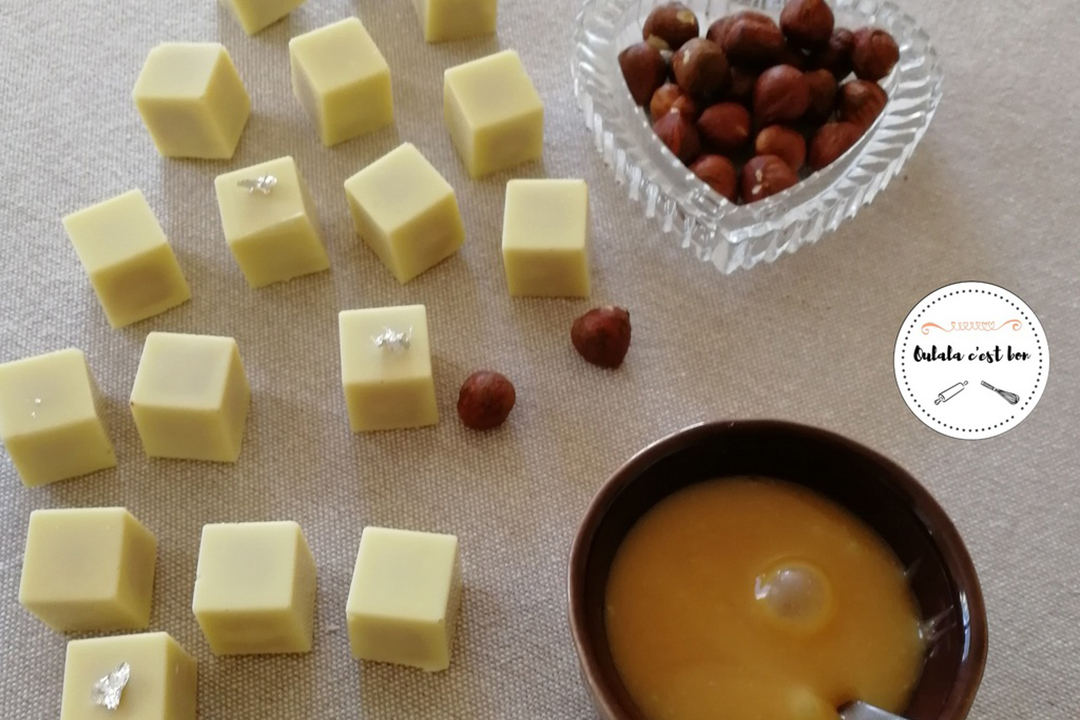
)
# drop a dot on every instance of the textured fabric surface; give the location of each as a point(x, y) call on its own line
point(990, 195)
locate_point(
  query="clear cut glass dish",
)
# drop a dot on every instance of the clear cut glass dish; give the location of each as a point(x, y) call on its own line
point(727, 235)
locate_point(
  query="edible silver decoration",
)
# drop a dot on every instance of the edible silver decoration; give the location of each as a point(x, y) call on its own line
point(109, 689)
point(393, 340)
point(262, 184)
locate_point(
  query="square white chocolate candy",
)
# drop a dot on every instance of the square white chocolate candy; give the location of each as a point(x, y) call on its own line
point(255, 588)
point(342, 81)
point(404, 598)
point(406, 212)
point(545, 238)
point(88, 569)
point(386, 368)
point(494, 113)
point(162, 679)
point(192, 100)
point(272, 229)
point(124, 251)
point(256, 15)
point(49, 419)
point(191, 397)
point(456, 19)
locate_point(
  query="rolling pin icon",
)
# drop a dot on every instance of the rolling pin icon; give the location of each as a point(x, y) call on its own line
point(1011, 398)
point(949, 393)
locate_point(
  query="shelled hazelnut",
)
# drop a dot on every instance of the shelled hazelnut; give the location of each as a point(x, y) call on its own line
point(830, 142)
point(670, 25)
point(822, 96)
point(781, 94)
point(752, 39)
point(670, 97)
point(644, 69)
point(680, 136)
point(807, 24)
point(836, 55)
point(784, 143)
point(860, 102)
point(718, 173)
point(485, 400)
point(765, 175)
point(873, 54)
point(725, 127)
point(700, 68)
point(602, 336)
point(742, 85)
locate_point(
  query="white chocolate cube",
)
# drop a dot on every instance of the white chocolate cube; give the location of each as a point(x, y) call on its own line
point(404, 598)
point(390, 386)
point(545, 238)
point(406, 212)
point(255, 15)
point(124, 251)
point(274, 236)
point(191, 397)
point(163, 678)
point(456, 19)
point(49, 421)
point(88, 569)
point(494, 113)
point(192, 100)
point(255, 588)
point(342, 81)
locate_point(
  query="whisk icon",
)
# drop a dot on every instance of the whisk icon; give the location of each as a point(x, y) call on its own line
point(1011, 398)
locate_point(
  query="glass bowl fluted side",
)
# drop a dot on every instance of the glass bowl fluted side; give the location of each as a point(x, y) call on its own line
point(719, 232)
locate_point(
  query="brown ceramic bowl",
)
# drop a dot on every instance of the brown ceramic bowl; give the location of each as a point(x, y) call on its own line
point(877, 490)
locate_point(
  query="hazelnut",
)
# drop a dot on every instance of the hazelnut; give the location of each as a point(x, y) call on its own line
point(830, 142)
point(700, 68)
point(644, 69)
point(784, 143)
point(765, 175)
point(753, 39)
point(742, 85)
point(836, 56)
point(873, 54)
point(822, 95)
point(485, 400)
point(680, 136)
point(670, 25)
point(860, 102)
point(725, 127)
point(719, 174)
point(808, 24)
point(669, 97)
point(781, 94)
point(602, 336)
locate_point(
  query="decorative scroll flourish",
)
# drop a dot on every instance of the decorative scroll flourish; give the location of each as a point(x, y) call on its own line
point(980, 325)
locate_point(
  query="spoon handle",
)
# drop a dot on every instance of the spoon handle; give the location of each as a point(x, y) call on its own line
point(858, 710)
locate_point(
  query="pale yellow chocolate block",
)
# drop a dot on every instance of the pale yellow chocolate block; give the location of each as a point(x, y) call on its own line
point(494, 113)
point(192, 100)
point(191, 397)
point(342, 81)
point(49, 420)
point(131, 266)
point(88, 569)
point(404, 598)
point(387, 377)
point(545, 238)
point(162, 685)
point(456, 19)
point(273, 236)
point(406, 212)
point(255, 588)
point(255, 15)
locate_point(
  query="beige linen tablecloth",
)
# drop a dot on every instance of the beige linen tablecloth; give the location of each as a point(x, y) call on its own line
point(991, 194)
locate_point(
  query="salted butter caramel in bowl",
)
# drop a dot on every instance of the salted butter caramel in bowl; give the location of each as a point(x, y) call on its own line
point(765, 569)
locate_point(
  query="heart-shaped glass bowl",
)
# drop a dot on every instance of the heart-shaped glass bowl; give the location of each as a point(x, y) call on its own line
point(717, 231)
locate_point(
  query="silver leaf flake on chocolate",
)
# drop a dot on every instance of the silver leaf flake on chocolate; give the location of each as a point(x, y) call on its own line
point(393, 340)
point(108, 690)
point(262, 184)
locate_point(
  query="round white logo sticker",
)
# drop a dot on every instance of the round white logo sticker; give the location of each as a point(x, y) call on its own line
point(971, 360)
